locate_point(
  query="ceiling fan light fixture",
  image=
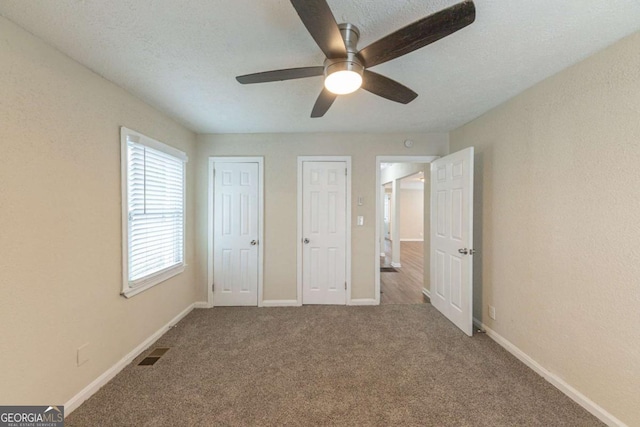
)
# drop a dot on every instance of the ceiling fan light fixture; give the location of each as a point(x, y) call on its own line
point(343, 77)
point(344, 67)
point(343, 82)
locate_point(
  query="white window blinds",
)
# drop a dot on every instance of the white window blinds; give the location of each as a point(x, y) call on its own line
point(155, 211)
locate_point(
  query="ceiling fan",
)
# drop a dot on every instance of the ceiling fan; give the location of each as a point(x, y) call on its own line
point(346, 68)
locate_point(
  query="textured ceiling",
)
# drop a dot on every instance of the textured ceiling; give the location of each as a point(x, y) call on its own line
point(182, 56)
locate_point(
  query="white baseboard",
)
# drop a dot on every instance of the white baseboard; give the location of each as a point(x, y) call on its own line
point(382, 255)
point(412, 240)
point(202, 304)
point(77, 400)
point(426, 292)
point(396, 265)
point(280, 303)
point(364, 301)
point(554, 379)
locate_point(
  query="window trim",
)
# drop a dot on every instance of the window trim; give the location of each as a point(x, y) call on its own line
point(131, 288)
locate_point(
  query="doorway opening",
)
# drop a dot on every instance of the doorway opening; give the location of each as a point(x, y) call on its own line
point(403, 224)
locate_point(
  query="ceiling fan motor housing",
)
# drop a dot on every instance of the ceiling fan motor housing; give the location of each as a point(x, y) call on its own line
point(350, 35)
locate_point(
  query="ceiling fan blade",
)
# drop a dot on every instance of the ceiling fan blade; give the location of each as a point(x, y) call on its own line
point(317, 17)
point(323, 103)
point(278, 75)
point(387, 88)
point(419, 34)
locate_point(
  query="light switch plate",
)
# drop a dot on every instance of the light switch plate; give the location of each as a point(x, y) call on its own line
point(360, 220)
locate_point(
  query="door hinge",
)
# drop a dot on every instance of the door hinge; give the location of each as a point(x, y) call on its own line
point(345, 171)
point(213, 287)
point(345, 286)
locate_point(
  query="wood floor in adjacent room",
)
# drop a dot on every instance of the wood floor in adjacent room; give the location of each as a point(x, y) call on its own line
point(391, 365)
point(404, 286)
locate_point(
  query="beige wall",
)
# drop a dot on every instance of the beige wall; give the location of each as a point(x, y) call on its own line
point(558, 220)
point(280, 152)
point(60, 223)
point(411, 214)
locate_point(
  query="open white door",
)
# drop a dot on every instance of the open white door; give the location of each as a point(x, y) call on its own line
point(452, 237)
point(236, 234)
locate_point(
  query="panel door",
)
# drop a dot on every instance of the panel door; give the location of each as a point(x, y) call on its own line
point(324, 232)
point(452, 237)
point(235, 239)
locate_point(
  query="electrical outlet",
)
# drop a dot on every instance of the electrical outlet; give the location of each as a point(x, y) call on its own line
point(82, 354)
point(492, 312)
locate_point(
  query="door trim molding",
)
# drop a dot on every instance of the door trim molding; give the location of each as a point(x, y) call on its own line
point(388, 159)
point(347, 160)
point(210, 219)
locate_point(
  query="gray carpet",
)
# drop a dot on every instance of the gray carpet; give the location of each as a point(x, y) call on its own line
point(385, 365)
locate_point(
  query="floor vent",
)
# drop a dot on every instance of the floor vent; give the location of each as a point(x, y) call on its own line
point(153, 357)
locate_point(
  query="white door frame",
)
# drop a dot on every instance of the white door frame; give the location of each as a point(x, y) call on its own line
point(388, 159)
point(347, 160)
point(210, 224)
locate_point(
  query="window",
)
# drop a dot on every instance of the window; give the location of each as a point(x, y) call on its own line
point(153, 200)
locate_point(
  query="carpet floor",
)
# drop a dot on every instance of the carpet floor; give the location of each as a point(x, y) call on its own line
point(356, 366)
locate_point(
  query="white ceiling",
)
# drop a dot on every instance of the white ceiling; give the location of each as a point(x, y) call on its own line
point(182, 56)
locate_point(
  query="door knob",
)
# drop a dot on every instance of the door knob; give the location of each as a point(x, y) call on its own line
point(306, 241)
point(254, 242)
point(463, 251)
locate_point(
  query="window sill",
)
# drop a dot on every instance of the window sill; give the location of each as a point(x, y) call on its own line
point(150, 281)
